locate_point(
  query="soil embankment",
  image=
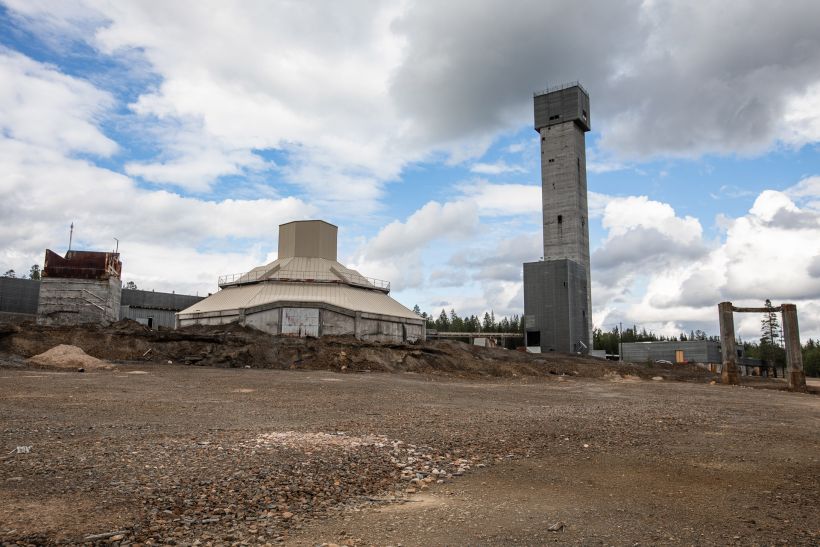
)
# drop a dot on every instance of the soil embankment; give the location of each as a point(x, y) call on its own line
point(239, 347)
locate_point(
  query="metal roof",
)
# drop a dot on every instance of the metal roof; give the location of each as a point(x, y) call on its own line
point(268, 292)
point(301, 268)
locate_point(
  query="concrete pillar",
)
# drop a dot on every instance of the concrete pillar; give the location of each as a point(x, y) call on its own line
point(794, 355)
point(728, 372)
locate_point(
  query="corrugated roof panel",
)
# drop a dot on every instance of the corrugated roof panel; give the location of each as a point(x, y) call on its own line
point(231, 298)
point(343, 296)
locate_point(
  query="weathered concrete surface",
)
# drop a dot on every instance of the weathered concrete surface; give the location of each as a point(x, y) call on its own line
point(794, 355)
point(729, 372)
point(561, 119)
point(65, 301)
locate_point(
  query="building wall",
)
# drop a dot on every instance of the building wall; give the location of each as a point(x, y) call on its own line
point(65, 301)
point(267, 320)
point(159, 307)
point(699, 351)
point(158, 300)
point(18, 299)
point(333, 321)
point(158, 318)
point(338, 324)
point(555, 299)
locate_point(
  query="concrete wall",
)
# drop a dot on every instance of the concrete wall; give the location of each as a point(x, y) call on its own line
point(563, 105)
point(338, 324)
point(78, 301)
point(562, 118)
point(555, 306)
point(266, 320)
point(333, 321)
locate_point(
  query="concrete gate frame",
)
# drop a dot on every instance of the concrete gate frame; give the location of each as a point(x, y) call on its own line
point(729, 373)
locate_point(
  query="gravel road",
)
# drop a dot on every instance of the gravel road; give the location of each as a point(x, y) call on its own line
point(158, 454)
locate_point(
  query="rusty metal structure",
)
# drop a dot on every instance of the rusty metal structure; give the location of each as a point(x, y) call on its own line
point(82, 265)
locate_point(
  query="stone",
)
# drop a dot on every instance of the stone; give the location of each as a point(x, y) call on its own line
point(557, 527)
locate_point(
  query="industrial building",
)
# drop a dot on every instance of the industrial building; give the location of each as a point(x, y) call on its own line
point(557, 289)
point(154, 309)
point(702, 352)
point(82, 287)
point(688, 351)
point(19, 300)
point(307, 292)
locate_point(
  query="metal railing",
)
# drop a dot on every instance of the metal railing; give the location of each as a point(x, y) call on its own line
point(304, 277)
point(559, 88)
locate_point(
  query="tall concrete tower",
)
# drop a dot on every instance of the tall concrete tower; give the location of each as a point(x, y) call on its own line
point(557, 295)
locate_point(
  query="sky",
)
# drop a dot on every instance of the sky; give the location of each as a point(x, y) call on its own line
point(190, 130)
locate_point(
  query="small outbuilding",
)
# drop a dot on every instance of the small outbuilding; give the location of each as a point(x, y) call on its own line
point(307, 292)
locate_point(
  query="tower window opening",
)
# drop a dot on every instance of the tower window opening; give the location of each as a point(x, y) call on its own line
point(552, 160)
point(555, 117)
point(560, 219)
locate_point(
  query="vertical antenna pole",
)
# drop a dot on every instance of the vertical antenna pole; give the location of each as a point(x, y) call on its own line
point(70, 236)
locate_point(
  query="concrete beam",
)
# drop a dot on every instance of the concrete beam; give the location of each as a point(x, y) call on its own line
point(794, 355)
point(756, 310)
point(729, 373)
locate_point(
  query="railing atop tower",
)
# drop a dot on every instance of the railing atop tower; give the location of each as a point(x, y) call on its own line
point(291, 276)
point(559, 88)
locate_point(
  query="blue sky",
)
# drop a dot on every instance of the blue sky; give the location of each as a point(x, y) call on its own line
point(191, 130)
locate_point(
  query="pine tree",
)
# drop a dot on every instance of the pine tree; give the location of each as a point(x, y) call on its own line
point(770, 349)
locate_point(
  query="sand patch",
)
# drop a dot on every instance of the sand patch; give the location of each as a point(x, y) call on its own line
point(64, 357)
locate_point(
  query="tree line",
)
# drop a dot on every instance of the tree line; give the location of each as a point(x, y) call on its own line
point(34, 273)
point(609, 340)
point(452, 322)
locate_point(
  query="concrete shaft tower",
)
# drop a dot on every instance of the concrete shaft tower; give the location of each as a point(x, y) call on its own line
point(557, 296)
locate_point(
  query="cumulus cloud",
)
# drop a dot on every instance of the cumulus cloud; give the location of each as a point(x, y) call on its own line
point(167, 239)
point(502, 199)
point(677, 278)
point(41, 106)
point(433, 221)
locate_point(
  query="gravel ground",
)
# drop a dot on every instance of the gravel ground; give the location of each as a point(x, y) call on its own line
point(158, 454)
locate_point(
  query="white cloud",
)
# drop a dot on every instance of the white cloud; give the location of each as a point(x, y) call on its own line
point(502, 199)
point(770, 252)
point(456, 219)
point(42, 107)
point(496, 168)
point(163, 235)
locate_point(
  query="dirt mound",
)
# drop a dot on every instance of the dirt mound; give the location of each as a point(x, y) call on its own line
point(68, 357)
